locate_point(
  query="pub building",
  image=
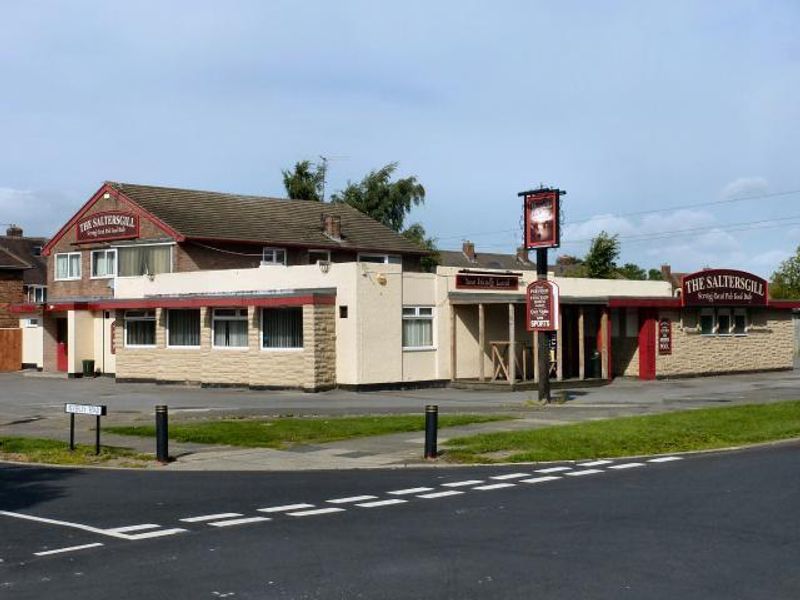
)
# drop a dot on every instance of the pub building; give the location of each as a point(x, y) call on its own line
point(185, 286)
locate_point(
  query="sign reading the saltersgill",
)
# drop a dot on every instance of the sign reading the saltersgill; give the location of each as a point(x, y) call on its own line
point(107, 226)
point(723, 287)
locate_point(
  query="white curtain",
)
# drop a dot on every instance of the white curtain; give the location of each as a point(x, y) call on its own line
point(230, 333)
point(417, 333)
point(144, 260)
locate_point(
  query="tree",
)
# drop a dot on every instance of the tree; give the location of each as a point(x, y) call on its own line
point(416, 233)
point(786, 280)
point(386, 201)
point(632, 271)
point(570, 266)
point(655, 275)
point(305, 182)
point(601, 260)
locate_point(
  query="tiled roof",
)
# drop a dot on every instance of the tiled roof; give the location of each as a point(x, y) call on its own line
point(217, 216)
point(21, 253)
point(508, 262)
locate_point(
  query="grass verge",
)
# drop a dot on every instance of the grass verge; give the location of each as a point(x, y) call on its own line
point(289, 431)
point(55, 452)
point(702, 429)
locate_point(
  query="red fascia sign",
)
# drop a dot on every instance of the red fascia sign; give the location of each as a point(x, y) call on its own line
point(541, 302)
point(105, 226)
point(723, 287)
point(486, 281)
point(542, 219)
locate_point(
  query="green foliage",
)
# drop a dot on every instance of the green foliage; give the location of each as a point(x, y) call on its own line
point(416, 233)
point(786, 280)
point(655, 275)
point(571, 266)
point(305, 182)
point(601, 260)
point(57, 452)
point(386, 201)
point(632, 271)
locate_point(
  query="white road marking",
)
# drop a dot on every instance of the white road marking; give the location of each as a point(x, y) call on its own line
point(441, 494)
point(382, 502)
point(417, 490)
point(463, 483)
point(510, 476)
point(154, 534)
point(285, 508)
point(626, 465)
point(245, 521)
point(540, 479)
point(89, 528)
point(69, 549)
point(494, 486)
point(351, 499)
point(585, 472)
point(130, 528)
point(204, 518)
point(316, 511)
point(664, 459)
point(595, 463)
point(553, 469)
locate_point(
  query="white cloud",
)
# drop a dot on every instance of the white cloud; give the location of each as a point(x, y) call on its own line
point(38, 212)
point(745, 186)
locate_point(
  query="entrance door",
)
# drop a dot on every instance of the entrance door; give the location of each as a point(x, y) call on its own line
point(62, 351)
point(647, 344)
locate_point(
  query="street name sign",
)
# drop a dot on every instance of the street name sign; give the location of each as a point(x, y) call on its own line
point(95, 410)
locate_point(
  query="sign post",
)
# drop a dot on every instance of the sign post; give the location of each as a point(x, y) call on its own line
point(541, 210)
point(95, 410)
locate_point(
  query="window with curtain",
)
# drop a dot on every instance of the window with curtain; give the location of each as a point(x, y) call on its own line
point(104, 263)
point(282, 328)
point(183, 326)
point(68, 266)
point(144, 260)
point(140, 328)
point(417, 327)
point(230, 328)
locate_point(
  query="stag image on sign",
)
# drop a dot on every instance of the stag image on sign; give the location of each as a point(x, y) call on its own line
point(723, 287)
point(542, 306)
point(107, 226)
point(541, 219)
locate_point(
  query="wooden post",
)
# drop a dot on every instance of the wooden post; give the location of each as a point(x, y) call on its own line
point(512, 346)
point(481, 342)
point(604, 349)
point(560, 348)
point(452, 342)
point(581, 345)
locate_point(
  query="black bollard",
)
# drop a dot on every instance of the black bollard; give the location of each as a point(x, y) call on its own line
point(162, 434)
point(431, 430)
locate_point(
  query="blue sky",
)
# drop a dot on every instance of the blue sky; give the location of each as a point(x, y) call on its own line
point(629, 106)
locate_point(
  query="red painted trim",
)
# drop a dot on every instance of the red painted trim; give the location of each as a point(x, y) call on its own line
point(25, 308)
point(647, 344)
point(621, 302)
point(783, 304)
point(608, 344)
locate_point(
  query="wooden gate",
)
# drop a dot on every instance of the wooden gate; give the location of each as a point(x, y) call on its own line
point(10, 350)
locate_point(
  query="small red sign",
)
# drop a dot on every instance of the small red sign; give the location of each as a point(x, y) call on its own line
point(484, 281)
point(541, 219)
point(105, 226)
point(664, 336)
point(541, 300)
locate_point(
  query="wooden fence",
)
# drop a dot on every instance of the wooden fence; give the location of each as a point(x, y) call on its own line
point(10, 350)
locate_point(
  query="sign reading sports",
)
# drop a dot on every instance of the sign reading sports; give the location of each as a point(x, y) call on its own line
point(541, 301)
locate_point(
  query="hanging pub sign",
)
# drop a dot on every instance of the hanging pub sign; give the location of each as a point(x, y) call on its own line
point(105, 226)
point(486, 281)
point(723, 287)
point(541, 219)
point(541, 301)
point(664, 336)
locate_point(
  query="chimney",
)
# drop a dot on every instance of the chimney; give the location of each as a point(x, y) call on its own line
point(332, 226)
point(14, 231)
point(468, 248)
point(522, 255)
point(666, 273)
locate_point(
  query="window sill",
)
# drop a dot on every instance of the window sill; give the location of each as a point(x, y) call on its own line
point(282, 349)
point(420, 349)
point(132, 347)
point(231, 348)
point(102, 277)
point(184, 347)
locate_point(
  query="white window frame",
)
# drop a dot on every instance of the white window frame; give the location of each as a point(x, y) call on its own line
point(386, 259)
point(33, 289)
point(179, 346)
point(68, 256)
point(261, 331)
point(327, 254)
point(417, 315)
point(32, 322)
point(171, 257)
point(740, 312)
point(273, 250)
point(215, 317)
point(114, 262)
point(727, 313)
point(705, 312)
point(145, 317)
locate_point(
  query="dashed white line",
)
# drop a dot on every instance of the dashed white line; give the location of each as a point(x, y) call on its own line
point(351, 499)
point(664, 459)
point(285, 508)
point(441, 494)
point(585, 472)
point(627, 465)
point(510, 476)
point(494, 486)
point(455, 484)
point(204, 518)
point(553, 469)
point(595, 463)
point(155, 534)
point(130, 528)
point(382, 502)
point(68, 549)
point(316, 511)
point(416, 490)
point(540, 479)
point(245, 521)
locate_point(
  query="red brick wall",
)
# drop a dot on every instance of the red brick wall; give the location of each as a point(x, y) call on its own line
point(11, 292)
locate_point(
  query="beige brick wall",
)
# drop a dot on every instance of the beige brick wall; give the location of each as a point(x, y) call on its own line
point(312, 368)
point(625, 356)
point(768, 344)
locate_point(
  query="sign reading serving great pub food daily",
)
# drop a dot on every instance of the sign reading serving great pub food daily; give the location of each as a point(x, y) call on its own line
point(723, 287)
point(107, 226)
point(485, 281)
point(541, 301)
